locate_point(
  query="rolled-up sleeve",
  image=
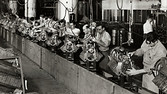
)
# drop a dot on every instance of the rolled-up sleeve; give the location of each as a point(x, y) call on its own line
point(106, 39)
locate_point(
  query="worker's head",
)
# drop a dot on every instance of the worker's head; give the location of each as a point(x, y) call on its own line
point(151, 39)
point(100, 28)
point(86, 29)
point(150, 18)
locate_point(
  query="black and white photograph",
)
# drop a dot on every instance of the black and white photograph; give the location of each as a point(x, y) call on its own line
point(83, 46)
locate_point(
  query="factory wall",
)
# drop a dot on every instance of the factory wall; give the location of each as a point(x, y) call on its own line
point(136, 4)
point(125, 5)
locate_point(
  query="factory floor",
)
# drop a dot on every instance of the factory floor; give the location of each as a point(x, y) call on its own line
point(39, 81)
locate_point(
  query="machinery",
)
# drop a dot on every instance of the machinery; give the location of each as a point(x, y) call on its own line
point(160, 74)
point(90, 55)
point(69, 47)
point(11, 73)
point(53, 42)
point(42, 38)
point(119, 62)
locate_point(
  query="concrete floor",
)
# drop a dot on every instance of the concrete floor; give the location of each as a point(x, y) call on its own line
point(38, 80)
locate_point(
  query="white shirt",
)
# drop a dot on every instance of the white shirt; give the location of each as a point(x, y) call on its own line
point(73, 32)
point(106, 38)
point(147, 27)
point(150, 56)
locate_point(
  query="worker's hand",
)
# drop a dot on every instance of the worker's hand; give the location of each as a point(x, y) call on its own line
point(132, 71)
point(131, 53)
point(97, 41)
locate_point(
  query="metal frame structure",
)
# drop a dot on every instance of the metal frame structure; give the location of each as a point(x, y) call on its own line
point(21, 69)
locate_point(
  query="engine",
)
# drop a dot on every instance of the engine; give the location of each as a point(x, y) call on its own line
point(161, 74)
point(42, 36)
point(54, 41)
point(120, 61)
